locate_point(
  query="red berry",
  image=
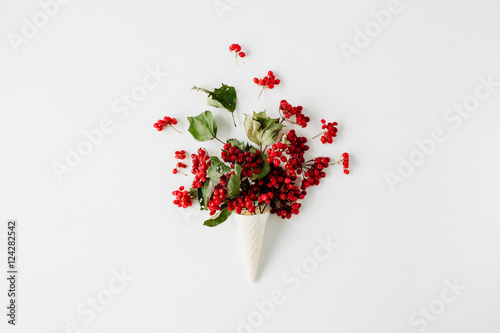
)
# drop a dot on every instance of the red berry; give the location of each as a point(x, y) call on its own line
point(242, 54)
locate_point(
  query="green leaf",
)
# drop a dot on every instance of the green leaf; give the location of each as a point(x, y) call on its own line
point(236, 143)
point(223, 97)
point(212, 102)
point(201, 89)
point(202, 127)
point(263, 119)
point(217, 169)
point(219, 218)
point(204, 194)
point(252, 127)
point(263, 169)
point(194, 193)
point(226, 96)
point(261, 129)
point(270, 135)
point(234, 182)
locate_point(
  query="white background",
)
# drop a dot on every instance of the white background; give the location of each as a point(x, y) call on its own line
point(113, 212)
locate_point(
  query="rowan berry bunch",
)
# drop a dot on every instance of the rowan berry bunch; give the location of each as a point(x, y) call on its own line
point(284, 193)
point(166, 121)
point(290, 153)
point(345, 162)
point(329, 131)
point(249, 161)
point(179, 156)
point(201, 163)
point(287, 111)
point(217, 198)
point(314, 171)
point(245, 202)
point(269, 81)
point(182, 198)
point(236, 49)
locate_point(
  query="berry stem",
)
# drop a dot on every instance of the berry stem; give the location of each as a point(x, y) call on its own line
point(314, 137)
point(174, 128)
point(236, 57)
point(219, 140)
point(264, 87)
point(263, 209)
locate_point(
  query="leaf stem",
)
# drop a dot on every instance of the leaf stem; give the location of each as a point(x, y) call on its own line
point(218, 139)
point(234, 122)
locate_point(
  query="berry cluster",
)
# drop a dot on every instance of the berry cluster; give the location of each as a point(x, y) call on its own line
point(314, 171)
point(179, 156)
point(201, 162)
point(287, 111)
point(236, 48)
point(276, 154)
point(284, 193)
point(182, 197)
point(166, 121)
point(250, 161)
point(265, 197)
point(268, 81)
point(217, 199)
point(345, 162)
point(283, 180)
point(247, 201)
point(329, 131)
point(294, 149)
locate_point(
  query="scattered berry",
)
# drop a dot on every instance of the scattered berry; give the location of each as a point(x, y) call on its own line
point(166, 121)
point(268, 81)
point(236, 49)
point(329, 131)
point(179, 156)
point(182, 198)
point(287, 111)
point(345, 162)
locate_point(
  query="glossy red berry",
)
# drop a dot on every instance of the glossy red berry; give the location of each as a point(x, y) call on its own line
point(166, 121)
point(268, 81)
point(288, 111)
point(236, 49)
point(182, 198)
point(329, 131)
